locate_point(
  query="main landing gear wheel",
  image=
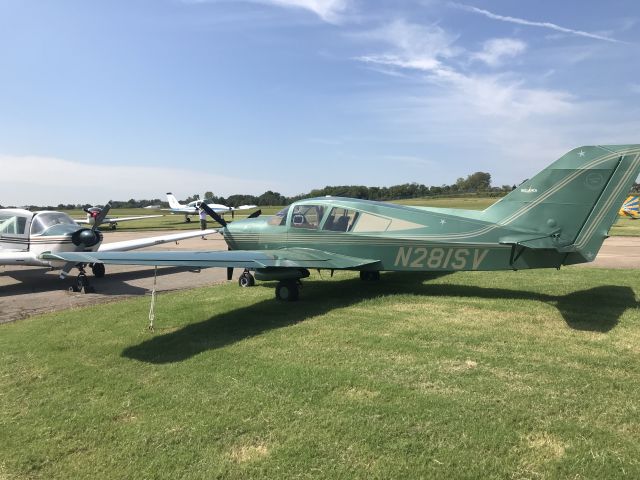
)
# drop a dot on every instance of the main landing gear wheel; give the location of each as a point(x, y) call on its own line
point(97, 269)
point(246, 280)
point(287, 291)
point(369, 276)
point(187, 219)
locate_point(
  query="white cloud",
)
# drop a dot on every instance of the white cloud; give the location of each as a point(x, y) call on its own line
point(496, 50)
point(327, 10)
point(330, 11)
point(522, 21)
point(430, 50)
point(413, 46)
point(35, 180)
point(498, 122)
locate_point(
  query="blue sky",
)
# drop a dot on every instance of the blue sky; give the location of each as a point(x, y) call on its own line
point(131, 99)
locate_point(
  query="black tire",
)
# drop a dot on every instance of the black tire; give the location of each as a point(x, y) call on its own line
point(287, 291)
point(187, 219)
point(246, 280)
point(98, 270)
point(369, 276)
point(82, 284)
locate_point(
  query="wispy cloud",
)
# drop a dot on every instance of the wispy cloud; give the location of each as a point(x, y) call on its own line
point(530, 23)
point(64, 181)
point(496, 50)
point(418, 47)
point(330, 11)
point(431, 51)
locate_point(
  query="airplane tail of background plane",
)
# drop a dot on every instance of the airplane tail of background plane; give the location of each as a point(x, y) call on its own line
point(573, 203)
point(173, 201)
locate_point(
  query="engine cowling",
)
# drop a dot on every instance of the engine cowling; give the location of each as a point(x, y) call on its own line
point(86, 237)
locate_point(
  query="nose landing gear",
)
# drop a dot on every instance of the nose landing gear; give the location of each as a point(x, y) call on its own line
point(82, 284)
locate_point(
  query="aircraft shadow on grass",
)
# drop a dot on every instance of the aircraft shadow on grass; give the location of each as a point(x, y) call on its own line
point(597, 309)
point(37, 280)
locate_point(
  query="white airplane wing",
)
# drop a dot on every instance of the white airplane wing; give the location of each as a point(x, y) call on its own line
point(111, 220)
point(183, 210)
point(245, 207)
point(18, 258)
point(150, 241)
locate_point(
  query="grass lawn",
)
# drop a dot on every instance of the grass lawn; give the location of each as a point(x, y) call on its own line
point(469, 375)
point(467, 203)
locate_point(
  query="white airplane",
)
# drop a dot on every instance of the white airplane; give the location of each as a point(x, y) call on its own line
point(24, 235)
point(193, 208)
point(93, 212)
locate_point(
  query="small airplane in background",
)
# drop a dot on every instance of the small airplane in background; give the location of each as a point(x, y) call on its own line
point(24, 235)
point(630, 208)
point(193, 208)
point(559, 217)
point(94, 212)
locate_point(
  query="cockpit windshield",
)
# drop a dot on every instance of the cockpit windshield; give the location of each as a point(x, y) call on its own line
point(46, 220)
point(279, 218)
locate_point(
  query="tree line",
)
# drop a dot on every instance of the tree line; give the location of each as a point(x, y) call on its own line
point(478, 183)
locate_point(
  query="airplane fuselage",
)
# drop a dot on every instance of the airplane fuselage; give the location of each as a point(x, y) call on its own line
point(414, 239)
point(24, 235)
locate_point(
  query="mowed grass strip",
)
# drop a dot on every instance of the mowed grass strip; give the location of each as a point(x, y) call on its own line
point(469, 375)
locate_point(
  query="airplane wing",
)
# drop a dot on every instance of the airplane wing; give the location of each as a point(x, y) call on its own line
point(244, 207)
point(183, 210)
point(150, 241)
point(117, 219)
point(251, 259)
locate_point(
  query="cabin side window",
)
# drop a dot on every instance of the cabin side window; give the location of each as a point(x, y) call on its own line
point(368, 222)
point(307, 216)
point(279, 218)
point(340, 220)
point(12, 224)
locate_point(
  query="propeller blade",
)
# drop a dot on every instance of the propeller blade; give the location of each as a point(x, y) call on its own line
point(101, 216)
point(255, 214)
point(212, 213)
point(87, 210)
point(229, 273)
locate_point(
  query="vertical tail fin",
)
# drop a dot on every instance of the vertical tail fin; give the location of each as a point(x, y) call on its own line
point(173, 201)
point(576, 199)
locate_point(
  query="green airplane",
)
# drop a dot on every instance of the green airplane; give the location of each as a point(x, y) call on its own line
point(559, 217)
